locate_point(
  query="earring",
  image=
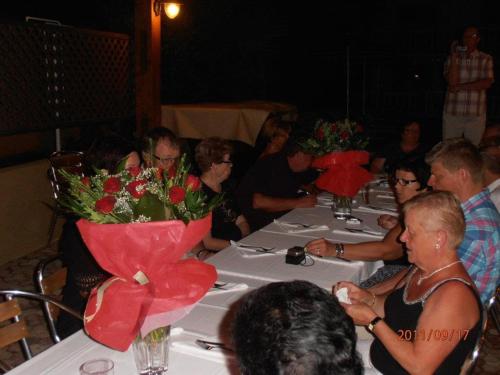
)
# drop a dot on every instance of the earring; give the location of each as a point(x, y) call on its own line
point(437, 246)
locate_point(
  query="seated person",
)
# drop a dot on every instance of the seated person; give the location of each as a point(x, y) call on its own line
point(110, 153)
point(490, 152)
point(272, 186)
point(410, 180)
point(274, 137)
point(160, 148)
point(291, 328)
point(408, 147)
point(425, 303)
point(213, 156)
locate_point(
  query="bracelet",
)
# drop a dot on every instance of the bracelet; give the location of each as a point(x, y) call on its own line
point(339, 250)
point(373, 299)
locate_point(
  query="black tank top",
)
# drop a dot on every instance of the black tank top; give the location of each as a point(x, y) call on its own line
point(402, 315)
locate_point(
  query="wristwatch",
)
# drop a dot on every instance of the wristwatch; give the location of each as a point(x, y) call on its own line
point(371, 325)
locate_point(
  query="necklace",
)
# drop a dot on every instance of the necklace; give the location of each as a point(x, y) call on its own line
point(422, 278)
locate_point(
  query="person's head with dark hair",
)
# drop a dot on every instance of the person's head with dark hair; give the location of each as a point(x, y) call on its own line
point(298, 159)
point(411, 131)
point(213, 152)
point(410, 178)
point(160, 148)
point(471, 38)
point(294, 328)
point(109, 152)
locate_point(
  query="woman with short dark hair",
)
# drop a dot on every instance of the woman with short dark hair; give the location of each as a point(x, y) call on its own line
point(213, 156)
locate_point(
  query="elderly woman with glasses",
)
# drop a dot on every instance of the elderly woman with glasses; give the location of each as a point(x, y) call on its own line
point(213, 158)
point(410, 180)
point(430, 321)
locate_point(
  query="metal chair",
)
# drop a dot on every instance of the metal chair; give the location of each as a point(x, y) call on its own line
point(50, 285)
point(18, 331)
point(471, 360)
point(71, 161)
point(494, 308)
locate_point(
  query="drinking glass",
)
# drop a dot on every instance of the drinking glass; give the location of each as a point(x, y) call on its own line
point(101, 366)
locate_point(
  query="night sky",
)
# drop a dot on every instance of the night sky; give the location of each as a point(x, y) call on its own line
point(230, 50)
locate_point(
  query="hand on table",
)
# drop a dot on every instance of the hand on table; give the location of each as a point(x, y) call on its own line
point(387, 221)
point(320, 247)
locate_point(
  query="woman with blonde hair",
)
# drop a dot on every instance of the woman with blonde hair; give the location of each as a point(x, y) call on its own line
point(430, 321)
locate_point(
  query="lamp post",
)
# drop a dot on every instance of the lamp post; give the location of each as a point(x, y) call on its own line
point(171, 9)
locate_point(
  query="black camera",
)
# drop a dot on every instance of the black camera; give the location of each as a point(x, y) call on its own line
point(295, 255)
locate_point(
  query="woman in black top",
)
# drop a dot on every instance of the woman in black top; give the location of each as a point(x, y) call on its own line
point(213, 158)
point(431, 320)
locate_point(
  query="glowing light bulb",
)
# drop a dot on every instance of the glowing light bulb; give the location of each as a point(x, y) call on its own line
point(171, 9)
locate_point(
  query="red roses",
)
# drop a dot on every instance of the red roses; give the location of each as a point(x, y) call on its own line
point(106, 204)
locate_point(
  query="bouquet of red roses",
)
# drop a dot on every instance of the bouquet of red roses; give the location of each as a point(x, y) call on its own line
point(338, 147)
point(138, 224)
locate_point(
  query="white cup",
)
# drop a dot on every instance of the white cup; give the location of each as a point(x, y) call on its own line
point(100, 366)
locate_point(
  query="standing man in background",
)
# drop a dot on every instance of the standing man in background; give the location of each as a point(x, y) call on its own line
point(469, 73)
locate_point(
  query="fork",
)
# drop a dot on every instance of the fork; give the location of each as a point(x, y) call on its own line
point(209, 345)
point(257, 248)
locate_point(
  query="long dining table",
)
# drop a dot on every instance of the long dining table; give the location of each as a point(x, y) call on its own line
point(241, 267)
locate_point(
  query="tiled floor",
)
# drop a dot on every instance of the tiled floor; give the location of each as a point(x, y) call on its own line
point(18, 274)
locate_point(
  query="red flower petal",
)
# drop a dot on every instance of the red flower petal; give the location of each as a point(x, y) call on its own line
point(176, 194)
point(193, 182)
point(106, 204)
point(112, 185)
point(137, 188)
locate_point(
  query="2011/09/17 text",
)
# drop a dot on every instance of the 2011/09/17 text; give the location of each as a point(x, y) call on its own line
point(432, 334)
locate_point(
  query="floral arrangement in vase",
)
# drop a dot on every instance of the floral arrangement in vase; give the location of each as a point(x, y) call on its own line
point(339, 150)
point(138, 224)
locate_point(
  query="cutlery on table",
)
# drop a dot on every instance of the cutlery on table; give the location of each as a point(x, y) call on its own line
point(297, 224)
point(254, 247)
point(382, 208)
point(209, 345)
point(356, 230)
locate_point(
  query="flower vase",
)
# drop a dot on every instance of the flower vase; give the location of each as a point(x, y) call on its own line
point(151, 352)
point(342, 206)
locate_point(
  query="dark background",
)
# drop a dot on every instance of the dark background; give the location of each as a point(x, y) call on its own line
point(230, 50)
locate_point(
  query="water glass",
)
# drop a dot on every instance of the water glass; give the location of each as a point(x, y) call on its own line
point(101, 366)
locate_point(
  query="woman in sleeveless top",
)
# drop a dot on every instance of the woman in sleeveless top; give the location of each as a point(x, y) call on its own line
point(431, 320)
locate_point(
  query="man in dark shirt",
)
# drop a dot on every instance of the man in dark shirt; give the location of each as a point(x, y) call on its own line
point(274, 186)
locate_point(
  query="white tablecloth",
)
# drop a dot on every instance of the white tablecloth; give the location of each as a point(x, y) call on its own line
point(212, 316)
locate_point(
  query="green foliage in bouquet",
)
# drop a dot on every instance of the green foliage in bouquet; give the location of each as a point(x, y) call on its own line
point(138, 195)
point(335, 136)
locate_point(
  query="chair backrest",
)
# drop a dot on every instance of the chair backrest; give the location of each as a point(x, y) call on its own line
point(15, 331)
point(471, 360)
point(51, 284)
point(11, 310)
point(70, 161)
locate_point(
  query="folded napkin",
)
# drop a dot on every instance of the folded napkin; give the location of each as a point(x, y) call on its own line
point(376, 209)
point(226, 287)
point(299, 228)
point(343, 296)
point(252, 251)
point(186, 343)
point(366, 232)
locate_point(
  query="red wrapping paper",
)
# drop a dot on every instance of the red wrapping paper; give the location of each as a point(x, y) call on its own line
point(344, 175)
point(118, 309)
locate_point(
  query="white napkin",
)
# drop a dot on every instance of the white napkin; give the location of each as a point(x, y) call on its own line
point(343, 296)
point(297, 228)
point(249, 252)
point(227, 287)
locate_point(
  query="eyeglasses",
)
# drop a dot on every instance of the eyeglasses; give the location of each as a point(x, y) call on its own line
point(164, 160)
point(226, 162)
point(403, 182)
